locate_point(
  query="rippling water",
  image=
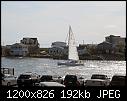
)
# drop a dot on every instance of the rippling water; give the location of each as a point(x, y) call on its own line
point(49, 66)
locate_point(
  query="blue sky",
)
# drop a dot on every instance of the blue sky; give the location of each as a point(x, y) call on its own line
point(49, 21)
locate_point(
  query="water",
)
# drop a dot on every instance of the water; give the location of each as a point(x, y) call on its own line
point(49, 66)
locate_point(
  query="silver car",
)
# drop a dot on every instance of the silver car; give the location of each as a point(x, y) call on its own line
point(9, 80)
point(49, 84)
point(98, 80)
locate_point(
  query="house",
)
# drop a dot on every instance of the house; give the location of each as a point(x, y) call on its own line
point(26, 47)
point(58, 49)
point(32, 43)
point(5, 51)
point(105, 47)
point(115, 40)
point(19, 49)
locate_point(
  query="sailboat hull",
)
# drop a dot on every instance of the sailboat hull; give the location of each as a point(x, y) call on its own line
point(71, 63)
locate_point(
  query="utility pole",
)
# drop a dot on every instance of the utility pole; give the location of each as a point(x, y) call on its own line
point(83, 42)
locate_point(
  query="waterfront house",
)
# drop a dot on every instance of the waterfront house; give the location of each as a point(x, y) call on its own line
point(32, 43)
point(115, 40)
point(58, 49)
point(105, 48)
point(26, 47)
point(5, 51)
point(19, 49)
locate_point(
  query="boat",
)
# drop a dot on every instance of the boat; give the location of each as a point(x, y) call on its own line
point(73, 58)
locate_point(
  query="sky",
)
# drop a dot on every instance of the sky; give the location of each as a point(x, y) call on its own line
point(49, 21)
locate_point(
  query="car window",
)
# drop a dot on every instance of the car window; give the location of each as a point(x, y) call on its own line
point(118, 78)
point(46, 78)
point(98, 77)
point(71, 78)
point(24, 76)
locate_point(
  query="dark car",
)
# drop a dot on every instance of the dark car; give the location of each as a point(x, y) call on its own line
point(118, 80)
point(46, 78)
point(27, 79)
point(72, 80)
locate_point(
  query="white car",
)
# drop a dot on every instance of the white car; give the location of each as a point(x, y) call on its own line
point(98, 80)
point(95, 82)
point(9, 80)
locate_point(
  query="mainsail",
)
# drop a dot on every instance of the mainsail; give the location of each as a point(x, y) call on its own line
point(73, 54)
point(73, 58)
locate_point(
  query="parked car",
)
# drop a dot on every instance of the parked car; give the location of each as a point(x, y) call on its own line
point(49, 84)
point(95, 82)
point(118, 80)
point(98, 80)
point(73, 80)
point(9, 80)
point(51, 78)
point(28, 79)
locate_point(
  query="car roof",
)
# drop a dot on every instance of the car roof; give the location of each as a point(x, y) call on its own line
point(52, 84)
point(95, 80)
point(47, 75)
point(99, 74)
point(8, 75)
point(119, 75)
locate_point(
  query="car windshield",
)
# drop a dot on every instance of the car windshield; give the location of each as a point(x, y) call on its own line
point(118, 78)
point(71, 78)
point(24, 77)
point(98, 77)
point(46, 78)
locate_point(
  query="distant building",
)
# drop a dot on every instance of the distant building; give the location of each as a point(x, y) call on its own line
point(29, 41)
point(115, 40)
point(58, 49)
point(58, 44)
point(61, 49)
point(26, 47)
point(5, 51)
point(19, 49)
point(105, 47)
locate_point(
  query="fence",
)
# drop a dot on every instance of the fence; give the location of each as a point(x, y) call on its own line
point(7, 71)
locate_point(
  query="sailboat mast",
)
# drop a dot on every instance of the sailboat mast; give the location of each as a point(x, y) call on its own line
point(69, 35)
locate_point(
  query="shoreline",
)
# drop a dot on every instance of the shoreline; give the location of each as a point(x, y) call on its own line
point(59, 58)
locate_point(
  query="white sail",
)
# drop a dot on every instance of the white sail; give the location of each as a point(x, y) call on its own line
point(73, 54)
point(73, 58)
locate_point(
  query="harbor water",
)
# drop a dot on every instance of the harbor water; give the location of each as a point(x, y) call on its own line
point(43, 66)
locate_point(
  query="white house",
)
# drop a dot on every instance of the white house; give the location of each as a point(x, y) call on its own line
point(19, 49)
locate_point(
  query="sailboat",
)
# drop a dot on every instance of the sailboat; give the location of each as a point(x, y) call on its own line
point(73, 58)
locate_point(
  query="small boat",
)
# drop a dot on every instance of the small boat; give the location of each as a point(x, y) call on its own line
point(73, 58)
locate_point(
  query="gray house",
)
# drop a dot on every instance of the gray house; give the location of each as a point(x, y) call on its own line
point(105, 47)
point(26, 47)
point(19, 49)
